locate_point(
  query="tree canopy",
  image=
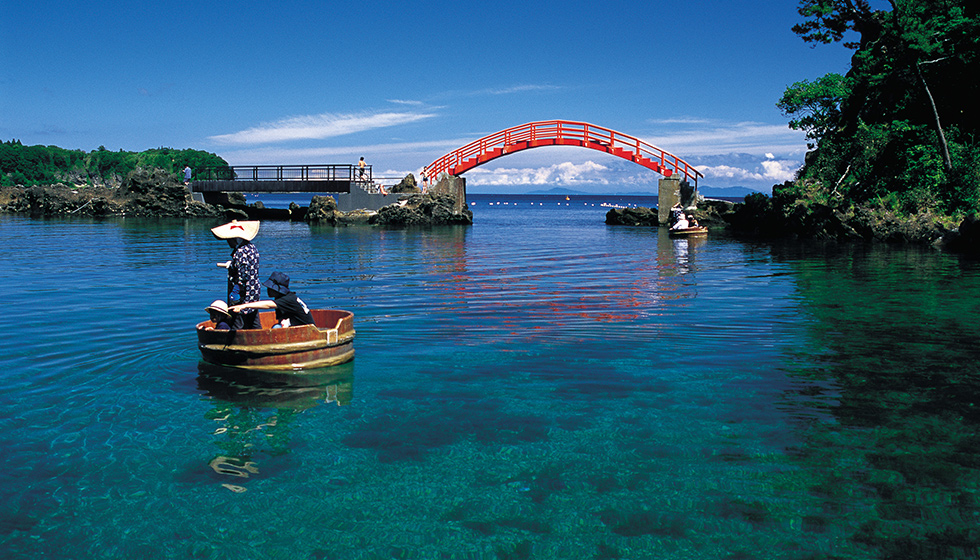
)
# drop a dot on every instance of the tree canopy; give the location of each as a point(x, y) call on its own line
point(901, 125)
point(38, 165)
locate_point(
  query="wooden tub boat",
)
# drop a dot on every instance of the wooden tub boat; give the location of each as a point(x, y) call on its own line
point(328, 343)
point(688, 232)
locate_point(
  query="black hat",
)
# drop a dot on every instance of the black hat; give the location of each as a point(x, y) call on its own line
point(278, 282)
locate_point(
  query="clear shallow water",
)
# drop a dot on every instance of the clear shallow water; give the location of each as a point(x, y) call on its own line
point(537, 385)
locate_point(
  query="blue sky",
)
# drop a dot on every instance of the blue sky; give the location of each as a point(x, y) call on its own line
point(402, 83)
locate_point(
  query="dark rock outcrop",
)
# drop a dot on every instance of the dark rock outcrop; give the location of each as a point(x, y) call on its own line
point(423, 210)
point(322, 210)
point(157, 193)
point(965, 238)
point(143, 193)
point(406, 185)
point(788, 217)
point(632, 217)
point(710, 213)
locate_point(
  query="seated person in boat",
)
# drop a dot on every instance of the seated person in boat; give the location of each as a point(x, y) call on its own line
point(220, 316)
point(290, 310)
point(681, 223)
point(691, 222)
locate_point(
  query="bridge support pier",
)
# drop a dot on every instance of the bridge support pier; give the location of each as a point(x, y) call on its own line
point(672, 190)
point(453, 186)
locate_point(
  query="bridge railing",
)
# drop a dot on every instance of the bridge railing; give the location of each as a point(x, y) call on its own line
point(584, 133)
point(326, 172)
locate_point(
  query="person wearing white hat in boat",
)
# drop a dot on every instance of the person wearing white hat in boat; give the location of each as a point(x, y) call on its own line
point(243, 270)
point(220, 316)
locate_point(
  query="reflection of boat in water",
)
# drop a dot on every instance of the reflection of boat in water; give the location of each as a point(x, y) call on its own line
point(689, 232)
point(277, 390)
point(254, 412)
point(327, 343)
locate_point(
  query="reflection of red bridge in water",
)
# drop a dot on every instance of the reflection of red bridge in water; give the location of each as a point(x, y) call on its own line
point(561, 133)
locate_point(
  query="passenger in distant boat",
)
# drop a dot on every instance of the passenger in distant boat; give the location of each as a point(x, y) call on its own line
point(691, 222)
point(676, 212)
point(681, 223)
point(243, 270)
point(220, 316)
point(290, 310)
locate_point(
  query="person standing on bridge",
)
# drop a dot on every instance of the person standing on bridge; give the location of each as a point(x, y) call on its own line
point(361, 167)
point(187, 174)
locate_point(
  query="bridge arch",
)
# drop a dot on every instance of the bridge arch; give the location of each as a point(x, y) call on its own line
point(561, 133)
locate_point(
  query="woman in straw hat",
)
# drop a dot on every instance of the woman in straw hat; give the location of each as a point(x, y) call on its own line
point(243, 269)
point(220, 316)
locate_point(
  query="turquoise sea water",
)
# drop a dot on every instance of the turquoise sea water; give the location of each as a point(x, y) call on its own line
point(537, 385)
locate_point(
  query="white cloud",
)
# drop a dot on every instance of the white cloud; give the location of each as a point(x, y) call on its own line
point(316, 127)
point(719, 138)
point(780, 170)
point(769, 170)
point(565, 173)
point(518, 89)
point(680, 120)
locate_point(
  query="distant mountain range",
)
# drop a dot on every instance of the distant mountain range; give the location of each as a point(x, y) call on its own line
point(710, 192)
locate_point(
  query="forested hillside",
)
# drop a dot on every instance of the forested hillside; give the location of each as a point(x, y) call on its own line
point(43, 165)
point(898, 131)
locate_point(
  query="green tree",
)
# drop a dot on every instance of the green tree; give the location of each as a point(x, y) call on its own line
point(35, 165)
point(817, 104)
point(826, 21)
point(905, 122)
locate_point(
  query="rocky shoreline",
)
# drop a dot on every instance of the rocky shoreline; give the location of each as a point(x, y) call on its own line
point(156, 193)
point(764, 217)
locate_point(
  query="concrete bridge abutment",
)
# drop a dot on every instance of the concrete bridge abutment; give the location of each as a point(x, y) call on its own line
point(673, 191)
point(454, 186)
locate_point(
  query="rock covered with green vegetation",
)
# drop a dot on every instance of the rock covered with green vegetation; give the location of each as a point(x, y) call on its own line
point(790, 213)
point(895, 153)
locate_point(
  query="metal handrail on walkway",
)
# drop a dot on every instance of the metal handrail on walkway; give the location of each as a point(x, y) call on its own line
point(318, 172)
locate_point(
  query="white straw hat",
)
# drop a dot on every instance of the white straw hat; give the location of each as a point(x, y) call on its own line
point(218, 306)
point(233, 229)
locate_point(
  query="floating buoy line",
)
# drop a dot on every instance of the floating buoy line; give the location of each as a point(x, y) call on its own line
point(602, 204)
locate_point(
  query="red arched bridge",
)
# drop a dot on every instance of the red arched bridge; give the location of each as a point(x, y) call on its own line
point(561, 133)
